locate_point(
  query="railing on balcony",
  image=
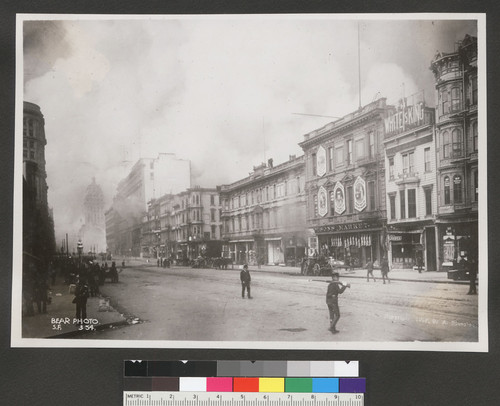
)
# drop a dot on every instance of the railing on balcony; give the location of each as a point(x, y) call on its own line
point(407, 177)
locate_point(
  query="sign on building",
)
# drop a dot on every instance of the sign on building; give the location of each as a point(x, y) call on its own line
point(339, 198)
point(322, 202)
point(359, 194)
point(321, 161)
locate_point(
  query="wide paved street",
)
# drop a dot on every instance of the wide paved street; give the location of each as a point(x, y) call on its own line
point(205, 304)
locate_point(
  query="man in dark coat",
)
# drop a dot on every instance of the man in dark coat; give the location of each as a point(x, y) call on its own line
point(245, 281)
point(472, 268)
point(335, 287)
point(81, 296)
point(369, 271)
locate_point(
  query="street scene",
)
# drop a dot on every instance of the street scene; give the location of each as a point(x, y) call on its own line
point(250, 179)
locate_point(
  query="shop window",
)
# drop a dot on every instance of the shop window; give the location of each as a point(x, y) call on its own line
point(402, 204)
point(475, 136)
point(428, 201)
point(412, 203)
point(350, 200)
point(371, 195)
point(457, 189)
point(455, 99)
point(391, 168)
point(446, 190)
point(392, 206)
point(349, 152)
point(427, 159)
point(330, 158)
point(314, 165)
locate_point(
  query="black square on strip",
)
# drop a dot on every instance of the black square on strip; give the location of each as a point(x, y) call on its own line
point(137, 384)
point(136, 368)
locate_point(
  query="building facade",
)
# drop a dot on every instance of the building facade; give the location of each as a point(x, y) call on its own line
point(345, 186)
point(38, 224)
point(410, 161)
point(264, 215)
point(184, 226)
point(93, 232)
point(148, 179)
point(457, 141)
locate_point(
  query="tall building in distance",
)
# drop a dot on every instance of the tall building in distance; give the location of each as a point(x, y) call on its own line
point(93, 232)
point(457, 138)
point(148, 179)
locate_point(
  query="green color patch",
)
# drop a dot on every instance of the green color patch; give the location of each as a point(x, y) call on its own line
point(298, 385)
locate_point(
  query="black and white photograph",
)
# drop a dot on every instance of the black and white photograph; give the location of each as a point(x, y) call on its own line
point(264, 181)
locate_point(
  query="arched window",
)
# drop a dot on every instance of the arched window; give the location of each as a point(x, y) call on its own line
point(456, 136)
point(446, 145)
point(457, 189)
point(446, 190)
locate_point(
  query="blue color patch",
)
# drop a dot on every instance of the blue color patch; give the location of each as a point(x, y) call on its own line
point(325, 385)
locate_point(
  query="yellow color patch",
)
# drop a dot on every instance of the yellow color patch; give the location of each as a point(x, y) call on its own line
point(271, 384)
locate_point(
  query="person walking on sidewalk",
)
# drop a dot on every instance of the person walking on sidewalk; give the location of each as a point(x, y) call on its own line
point(245, 281)
point(369, 271)
point(384, 266)
point(335, 287)
point(81, 296)
point(472, 267)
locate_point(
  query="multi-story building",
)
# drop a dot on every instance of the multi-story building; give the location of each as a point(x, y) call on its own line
point(93, 232)
point(264, 215)
point(148, 179)
point(185, 225)
point(38, 224)
point(345, 186)
point(457, 152)
point(410, 163)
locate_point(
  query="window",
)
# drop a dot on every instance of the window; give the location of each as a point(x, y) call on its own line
point(445, 104)
point(371, 144)
point(408, 162)
point(247, 222)
point(314, 167)
point(392, 208)
point(298, 185)
point(239, 223)
point(474, 90)
point(350, 199)
point(412, 203)
point(214, 232)
point(332, 203)
point(349, 152)
point(152, 176)
point(446, 145)
point(455, 99)
point(339, 155)
point(456, 135)
point(285, 187)
point(446, 190)
point(212, 214)
point(474, 136)
point(476, 187)
point(360, 149)
point(427, 159)
point(391, 167)
point(212, 200)
point(457, 189)
point(428, 201)
point(371, 195)
point(330, 158)
point(402, 204)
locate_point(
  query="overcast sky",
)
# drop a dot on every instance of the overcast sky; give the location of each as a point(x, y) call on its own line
point(218, 91)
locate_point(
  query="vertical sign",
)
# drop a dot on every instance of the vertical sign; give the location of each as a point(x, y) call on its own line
point(321, 161)
point(322, 202)
point(339, 198)
point(359, 194)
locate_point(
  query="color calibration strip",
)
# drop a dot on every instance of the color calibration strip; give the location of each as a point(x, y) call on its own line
point(241, 369)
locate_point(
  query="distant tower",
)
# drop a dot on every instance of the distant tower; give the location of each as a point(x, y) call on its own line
point(93, 232)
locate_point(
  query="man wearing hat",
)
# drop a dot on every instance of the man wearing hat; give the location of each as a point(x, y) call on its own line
point(335, 287)
point(245, 281)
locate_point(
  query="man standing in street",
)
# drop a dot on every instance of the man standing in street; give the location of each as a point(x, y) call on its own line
point(332, 301)
point(245, 281)
point(472, 268)
point(369, 271)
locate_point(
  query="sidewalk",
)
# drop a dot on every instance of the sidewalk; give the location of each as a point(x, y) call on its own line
point(60, 322)
point(404, 275)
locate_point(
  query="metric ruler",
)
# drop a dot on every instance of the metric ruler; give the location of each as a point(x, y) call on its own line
point(164, 398)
